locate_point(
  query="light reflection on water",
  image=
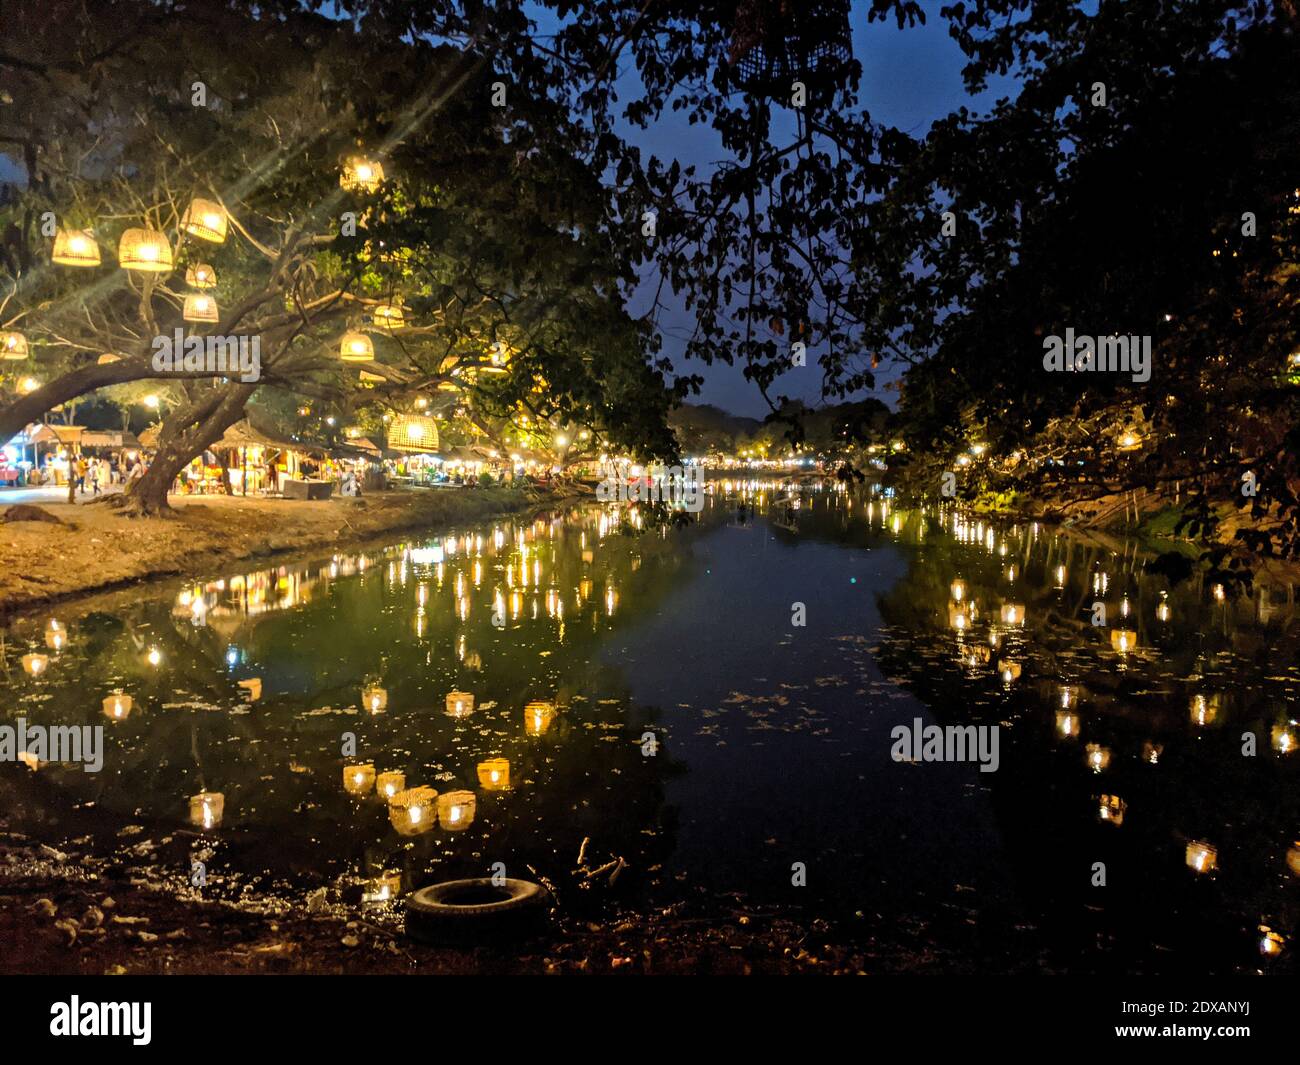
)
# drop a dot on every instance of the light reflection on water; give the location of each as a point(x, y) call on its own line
point(381, 719)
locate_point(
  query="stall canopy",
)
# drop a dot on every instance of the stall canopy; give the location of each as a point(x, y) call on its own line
point(67, 435)
point(109, 438)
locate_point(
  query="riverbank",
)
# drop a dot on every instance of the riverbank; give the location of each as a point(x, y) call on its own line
point(95, 548)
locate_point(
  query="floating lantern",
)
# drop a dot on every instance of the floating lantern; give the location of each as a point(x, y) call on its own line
point(1013, 614)
point(1112, 809)
point(1151, 752)
point(374, 699)
point(1097, 757)
point(1270, 943)
point(75, 247)
point(199, 308)
point(117, 707)
point(957, 617)
point(1204, 709)
point(206, 220)
point(494, 774)
point(383, 888)
point(253, 687)
point(145, 250)
point(356, 347)
point(413, 811)
point(538, 717)
point(456, 810)
point(1009, 671)
point(1067, 724)
point(56, 639)
point(390, 783)
point(154, 657)
point(1163, 612)
point(1201, 857)
point(1129, 440)
point(1123, 641)
point(1283, 739)
point(201, 276)
point(206, 809)
point(359, 778)
point(958, 590)
point(460, 704)
point(389, 316)
point(35, 664)
point(361, 174)
point(13, 345)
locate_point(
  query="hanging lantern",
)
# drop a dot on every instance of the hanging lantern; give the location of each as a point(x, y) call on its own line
point(1097, 757)
point(958, 618)
point(13, 345)
point(1204, 709)
point(1123, 641)
point(75, 247)
point(206, 220)
point(1008, 670)
point(413, 811)
point(388, 316)
point(56, 637)
point(1112, 809)
point(1067, 724)
point(117, 707)
point(460, 704)
point(1271, 944)
point(1284, 740)
point(199, 308)
point(390, 783)
point(774, 44)
point(494, 774)
point(361, 174)
point(359, 778)
point(374, 699)
point(35, 664)
point(1013, 614)
point(201, 276)
point(538, 717)
point(958, 591)
point(1201, 857)
point(386, 886)
point(1151, 752)
point(413, 432)
point(145, 250)
point(456, 810)
point(1129, 440)
point(356, 347)
point(206, 809)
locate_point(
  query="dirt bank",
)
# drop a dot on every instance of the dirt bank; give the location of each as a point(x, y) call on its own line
point(96, 548)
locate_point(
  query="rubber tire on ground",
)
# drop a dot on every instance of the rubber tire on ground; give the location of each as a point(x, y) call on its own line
point(511, 908)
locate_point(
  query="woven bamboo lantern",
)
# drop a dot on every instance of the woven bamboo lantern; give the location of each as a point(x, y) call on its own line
point(538, 717)
point(1202, 857)
point(456, 810)
point(494, 774)
point(206, 220)
point(356, 347)
point(1013, 614)
point(34, 664)
point(460, 704)
point(414, 810)
point(200, 308)
point(13, 345)
point(358, 778)
point(145, 250)
point(390, 783)
point(958, 618)
point(389, 316)
point(1112, 809)
point(361, 174)
point(1123, 641)
point(201, 276)
point(117, 707)
point(56, 639)
point(75, 247)
point(374, 699)
point(1097, 757)
point(206, 809)
point(1067, 724)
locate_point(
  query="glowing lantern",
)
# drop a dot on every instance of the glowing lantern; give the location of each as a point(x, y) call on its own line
point(460, 704)
point(1204, 709)
point(75, 247)
point(154, 657)
point(356, 347)
point(389, 316)
point(1067, 724)
point(1293, 858)
point(413, 811)
point(13, 346)
point(1123, 641)
point(1097, 757)
point(382, 888)
point(1013, 614)
point(145, 250)
point(199, 308)
point(957, 617)
point(958, 590)
point(1010, 671)
point(117, 707)
point(538, 717)
point(206, 220)
point(206, 809)
point(1129, 440)
point(253, 687)
point(1283, 739)
point(1201, 857)
point(28, 385)
point(494, 774)
point(361, 175)
point(56, 639)
point(35, 665)
point(1151, 752)
point(1112, 809)
point(456, 810)
point(1270, 943)
point(374, 699)
point(390, 783)
point(359, 778)
point(201, 276)
point(29, 760)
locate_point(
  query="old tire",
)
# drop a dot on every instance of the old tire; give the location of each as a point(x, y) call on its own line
point(474, 910)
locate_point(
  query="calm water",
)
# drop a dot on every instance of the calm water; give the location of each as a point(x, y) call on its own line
point(643, 687)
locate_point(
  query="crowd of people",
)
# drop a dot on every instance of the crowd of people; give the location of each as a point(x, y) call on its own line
point(91, 475)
